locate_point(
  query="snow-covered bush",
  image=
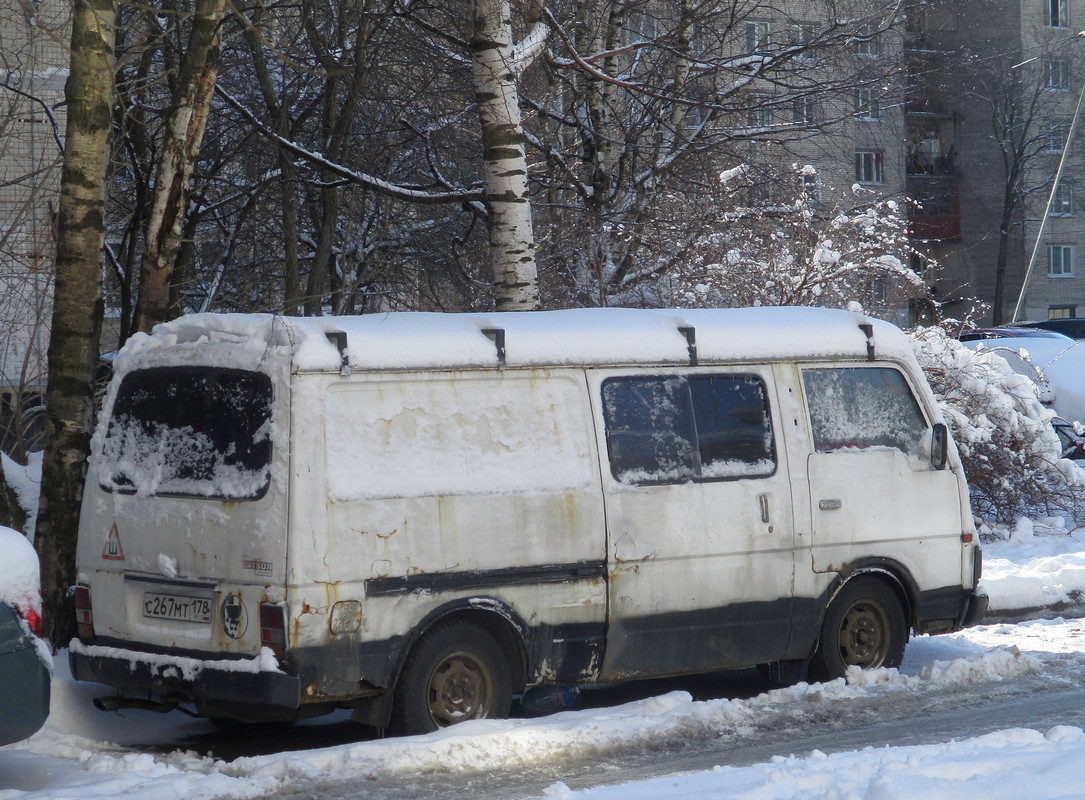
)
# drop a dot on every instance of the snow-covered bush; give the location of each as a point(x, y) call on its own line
point(797, 251)
point(1011, 453)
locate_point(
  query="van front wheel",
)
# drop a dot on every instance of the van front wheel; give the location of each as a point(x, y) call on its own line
point(864, 627)
point(455, 673)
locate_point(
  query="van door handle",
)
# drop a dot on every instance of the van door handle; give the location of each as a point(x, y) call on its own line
point(830, 505)
point(763, 501)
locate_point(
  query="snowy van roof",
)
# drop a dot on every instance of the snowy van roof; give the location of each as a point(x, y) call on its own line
point(426, 340)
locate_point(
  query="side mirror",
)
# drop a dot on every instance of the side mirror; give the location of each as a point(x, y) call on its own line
point(939, 446)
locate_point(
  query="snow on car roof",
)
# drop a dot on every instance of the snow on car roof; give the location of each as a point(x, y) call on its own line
point(433, 340)
point(19, 578)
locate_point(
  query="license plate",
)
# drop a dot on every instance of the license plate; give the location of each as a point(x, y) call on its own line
point(177, 607)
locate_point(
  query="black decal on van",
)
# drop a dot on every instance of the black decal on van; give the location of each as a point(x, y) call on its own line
point(481, 579)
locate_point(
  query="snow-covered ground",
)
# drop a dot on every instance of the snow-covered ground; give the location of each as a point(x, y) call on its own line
point(84, 753)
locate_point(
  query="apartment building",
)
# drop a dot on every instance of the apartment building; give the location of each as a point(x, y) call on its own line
point(33, 66)
point(993, 100)
point(963, 109)
point(844, 120)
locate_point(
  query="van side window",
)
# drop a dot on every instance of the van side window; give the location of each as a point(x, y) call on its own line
point(190, 432)
point(734, 430)
point(862, 407)
point(676, 429)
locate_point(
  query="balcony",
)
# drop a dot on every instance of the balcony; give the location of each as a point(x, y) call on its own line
point(936, 215)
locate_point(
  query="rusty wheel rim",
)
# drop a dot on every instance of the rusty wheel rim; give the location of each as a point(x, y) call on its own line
point(460, 688)
point(864, 635)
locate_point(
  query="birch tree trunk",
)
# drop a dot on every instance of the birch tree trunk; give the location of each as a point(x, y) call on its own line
point(77, 307)
point(184, 133)
point(512, 241)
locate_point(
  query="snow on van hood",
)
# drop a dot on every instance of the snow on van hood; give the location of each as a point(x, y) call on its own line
point(427, 340)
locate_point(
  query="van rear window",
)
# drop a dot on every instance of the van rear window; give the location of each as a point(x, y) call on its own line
point(190, 432)
point(675, 429)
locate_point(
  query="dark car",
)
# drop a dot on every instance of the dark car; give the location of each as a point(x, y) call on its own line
point(1074, 327)
point(1073, 443)
point(1010, 332)
point(24, 671)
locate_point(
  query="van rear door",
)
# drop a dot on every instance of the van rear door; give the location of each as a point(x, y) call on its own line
point(183, 526)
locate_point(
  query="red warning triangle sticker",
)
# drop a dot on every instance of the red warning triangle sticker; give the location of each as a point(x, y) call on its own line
point(113, 550)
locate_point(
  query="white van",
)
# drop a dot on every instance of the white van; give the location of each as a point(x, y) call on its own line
point(418, 516)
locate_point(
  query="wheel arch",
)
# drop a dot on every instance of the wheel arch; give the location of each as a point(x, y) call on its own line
point(880, 643)
point(488, 613)
point(890, 571)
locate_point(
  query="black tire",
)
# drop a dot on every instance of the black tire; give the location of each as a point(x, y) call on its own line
point(864, 627)
point(454, 673)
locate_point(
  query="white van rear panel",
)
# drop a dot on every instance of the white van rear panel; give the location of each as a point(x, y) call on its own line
point(181, 536)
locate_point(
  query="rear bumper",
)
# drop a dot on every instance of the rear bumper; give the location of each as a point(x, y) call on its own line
point(24, 694)
point(238, 688)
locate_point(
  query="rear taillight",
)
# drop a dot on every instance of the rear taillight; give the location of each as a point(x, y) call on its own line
point(273, 628)
point(33, 619)
point(84, 618)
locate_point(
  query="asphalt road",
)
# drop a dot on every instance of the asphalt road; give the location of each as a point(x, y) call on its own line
point(889, 719)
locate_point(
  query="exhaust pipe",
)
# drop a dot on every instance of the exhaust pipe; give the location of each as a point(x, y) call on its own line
point(114, 703)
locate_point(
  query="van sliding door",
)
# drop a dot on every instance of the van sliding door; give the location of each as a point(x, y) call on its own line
point(699, 519)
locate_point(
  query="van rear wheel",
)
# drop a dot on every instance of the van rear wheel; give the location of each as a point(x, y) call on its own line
point(454, 673)
point(863, 627)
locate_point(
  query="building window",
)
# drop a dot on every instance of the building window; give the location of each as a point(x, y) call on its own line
point(1060, 261)
point(867, 43)
point(695, 117)
point(879, 290)
point(1056, 13)
point(868, 104)
point(1055, 133)
point(759, 115)
point(763, 193)
point(1062, 203)
point(810, 185)
point(868, 166)
point(1061, 312)
point(643, 26)
point(757, 36)
point(803, 110)
point(1057, 74)
point(802, 35)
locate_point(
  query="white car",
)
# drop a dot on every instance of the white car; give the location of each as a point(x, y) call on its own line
point(1055, 365)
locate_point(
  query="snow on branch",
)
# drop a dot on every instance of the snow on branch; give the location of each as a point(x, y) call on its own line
point(528, 49)
point(402, 192)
